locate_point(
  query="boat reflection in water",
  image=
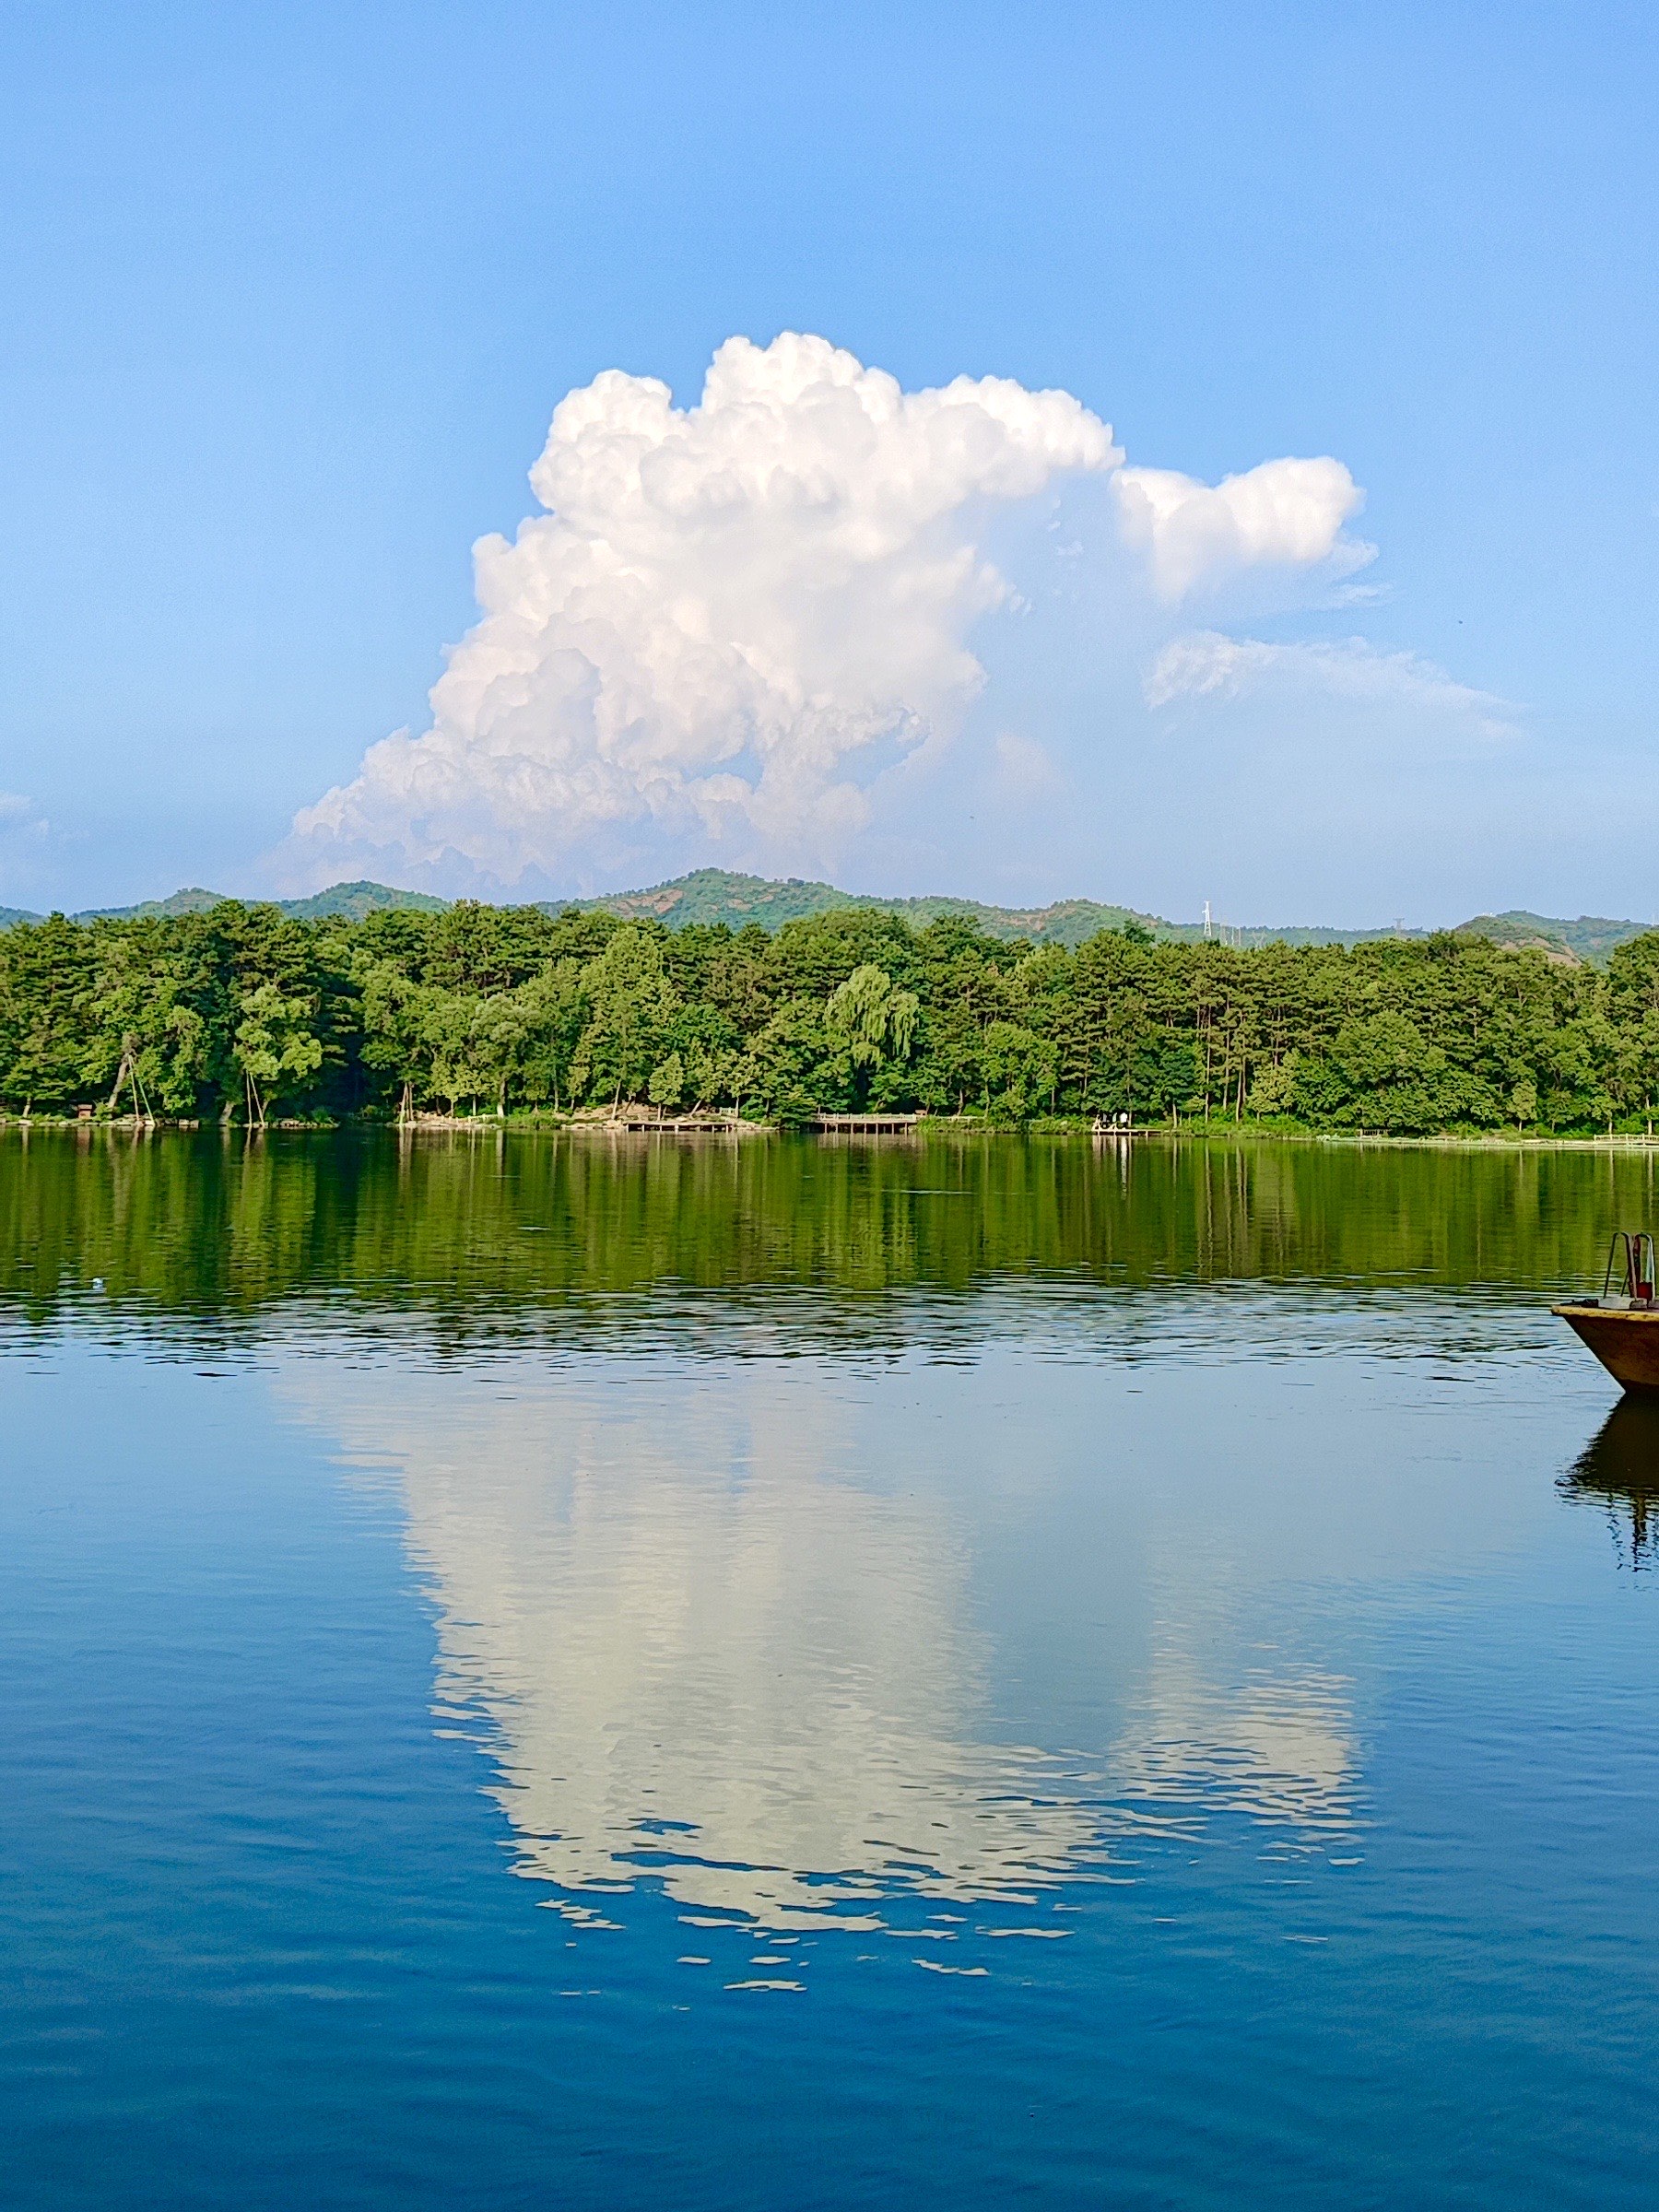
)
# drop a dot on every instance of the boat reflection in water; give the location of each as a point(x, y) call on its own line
point(1618, 1469)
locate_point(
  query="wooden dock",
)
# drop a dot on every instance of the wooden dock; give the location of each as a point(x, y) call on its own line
point(675, 1124)
point(865, 1124)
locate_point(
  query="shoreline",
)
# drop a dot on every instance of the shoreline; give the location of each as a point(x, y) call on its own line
point(927, 1129)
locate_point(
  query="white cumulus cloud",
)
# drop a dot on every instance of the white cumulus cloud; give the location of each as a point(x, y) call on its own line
point(734, 623)
point(1286, 513)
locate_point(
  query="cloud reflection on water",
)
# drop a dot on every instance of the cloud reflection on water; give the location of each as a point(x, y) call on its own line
point(1277, 1748)
point(717, 1627)
point(692, 1649)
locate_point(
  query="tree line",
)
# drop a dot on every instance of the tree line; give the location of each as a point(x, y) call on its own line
point(245, 1014)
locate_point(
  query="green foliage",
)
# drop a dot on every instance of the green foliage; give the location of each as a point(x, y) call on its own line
point(277, 1048)
point(1273, 1087)
point(667, 1085)
point(871, 1023)
point(246, 1012)
point(631, 1006)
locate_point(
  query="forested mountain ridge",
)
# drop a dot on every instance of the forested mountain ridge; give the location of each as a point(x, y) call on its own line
point(349, 901)
point(719, 895)
point(191, 900)
point(244, 1013)
point(1591, 937)
point(714, 896)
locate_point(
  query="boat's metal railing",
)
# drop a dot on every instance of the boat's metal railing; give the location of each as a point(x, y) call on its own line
point(1634, 1248)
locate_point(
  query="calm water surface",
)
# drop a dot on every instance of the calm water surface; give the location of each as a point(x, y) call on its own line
point(551, 1673)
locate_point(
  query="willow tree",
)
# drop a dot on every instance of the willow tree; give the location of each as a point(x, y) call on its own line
point(873, 1022)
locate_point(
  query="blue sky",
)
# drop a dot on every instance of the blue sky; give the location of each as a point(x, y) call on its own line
point(290, 295)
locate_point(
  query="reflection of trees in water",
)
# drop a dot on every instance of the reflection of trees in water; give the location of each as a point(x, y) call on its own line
point(1618, 1469)
point(465, 1230)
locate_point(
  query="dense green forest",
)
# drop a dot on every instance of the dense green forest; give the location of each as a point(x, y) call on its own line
point(243, 1013)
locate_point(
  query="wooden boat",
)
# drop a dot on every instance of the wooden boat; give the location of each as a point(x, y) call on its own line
point(1622, 1330)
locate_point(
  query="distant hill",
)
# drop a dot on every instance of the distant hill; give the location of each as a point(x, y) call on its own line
point(194, 902)
point(1591, 938)
point(351, 901)
point(713, 895)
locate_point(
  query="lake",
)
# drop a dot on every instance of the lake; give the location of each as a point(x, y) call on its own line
point(553, 1671)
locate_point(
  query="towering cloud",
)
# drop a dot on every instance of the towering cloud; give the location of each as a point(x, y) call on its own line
point(733, 622)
